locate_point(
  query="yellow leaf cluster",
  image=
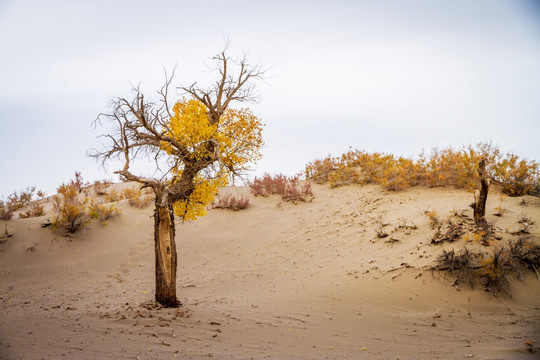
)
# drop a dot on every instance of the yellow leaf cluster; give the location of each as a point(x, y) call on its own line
point(238, 134)
point(229, 145)
point(205, 191)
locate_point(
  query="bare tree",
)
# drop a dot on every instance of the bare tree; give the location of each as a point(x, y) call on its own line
point(141, 127)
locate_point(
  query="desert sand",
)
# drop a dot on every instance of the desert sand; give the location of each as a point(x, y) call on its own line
point(277, 280)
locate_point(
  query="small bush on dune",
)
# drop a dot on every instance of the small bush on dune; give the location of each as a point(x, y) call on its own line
point(34, 211)
point(100, 187)
point(289, 188)
point(17, 201)
point(319, 170)
point(434, 220)
point(100, 211)
point(526, 254)
point(112, 196)
point(517, 176)
point(460, 264)
point(136, 198)
point(231, 202)
point(495, 267)
point(343, 175)
point(296, 191)
point(5, 212)
point(78, 182)
point(68, 209)
point(268, 185)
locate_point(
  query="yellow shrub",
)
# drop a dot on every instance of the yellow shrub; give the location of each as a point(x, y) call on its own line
point(68, 209)
point(101, 211)
point(448, 167)
point(112, 196)
point(343, 176)
point(136, 198)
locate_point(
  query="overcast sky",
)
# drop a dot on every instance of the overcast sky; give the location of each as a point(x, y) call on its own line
point(389, 76)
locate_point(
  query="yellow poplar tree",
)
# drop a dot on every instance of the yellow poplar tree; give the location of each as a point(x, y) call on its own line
point(200, 139)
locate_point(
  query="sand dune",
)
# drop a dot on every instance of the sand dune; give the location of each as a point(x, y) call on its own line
point(280, 281)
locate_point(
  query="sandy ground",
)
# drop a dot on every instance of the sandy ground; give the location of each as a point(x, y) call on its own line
point(279, 281)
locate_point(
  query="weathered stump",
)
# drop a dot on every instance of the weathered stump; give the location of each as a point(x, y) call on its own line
point(480, 195)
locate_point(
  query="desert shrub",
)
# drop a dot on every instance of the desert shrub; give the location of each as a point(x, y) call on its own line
point(495, 267)
point(434, 220)
point(399, 174)
point(461, 264)
point(136, 198)
point(524, 218)
point(5, 212)
point(343, 175)
point(296, 191)
point(451, 167)
point(447, 167)
point(35, 210)
point(100, 211)
point(16, 201)
point(500, 210)
point(525, 253)
point(100, 187)
point(517, 176)
point(380, 231)
point(112, 196)
point(319, 170)
point(268, 185)
point(68, 209)
point(289, 188)
point(231, 202)
point(78, 182)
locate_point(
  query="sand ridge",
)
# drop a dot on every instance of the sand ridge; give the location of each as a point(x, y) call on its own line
point(306, 281)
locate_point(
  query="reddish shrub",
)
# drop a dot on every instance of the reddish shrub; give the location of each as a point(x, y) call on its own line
point(231, 202)
point(5, 212)
point(289, 188)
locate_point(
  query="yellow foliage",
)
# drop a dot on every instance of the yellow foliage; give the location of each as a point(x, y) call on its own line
point(491, 268)
point(237, 136)
point(433, 217)
point(203, 195)
point(136, 198)
point(68, 209)
point(478, 236)
point(343, 176)
point(232, 143)
point(112, 196)
point(448, 167)
point(100, 211)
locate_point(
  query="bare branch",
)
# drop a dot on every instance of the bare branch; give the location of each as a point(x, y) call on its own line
point(229, 87)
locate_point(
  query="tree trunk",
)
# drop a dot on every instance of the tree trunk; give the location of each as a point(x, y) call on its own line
point(165, 248)
point(480, 195)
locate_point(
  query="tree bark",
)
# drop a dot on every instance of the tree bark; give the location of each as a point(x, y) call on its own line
point(480, 195)
point(165, 249)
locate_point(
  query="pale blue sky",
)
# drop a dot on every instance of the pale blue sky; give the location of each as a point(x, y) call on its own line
point(390, 76)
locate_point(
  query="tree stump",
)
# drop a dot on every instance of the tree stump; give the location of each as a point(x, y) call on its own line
point(480, 195)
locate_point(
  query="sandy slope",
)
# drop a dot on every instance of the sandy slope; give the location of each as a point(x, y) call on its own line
point(310, 281)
